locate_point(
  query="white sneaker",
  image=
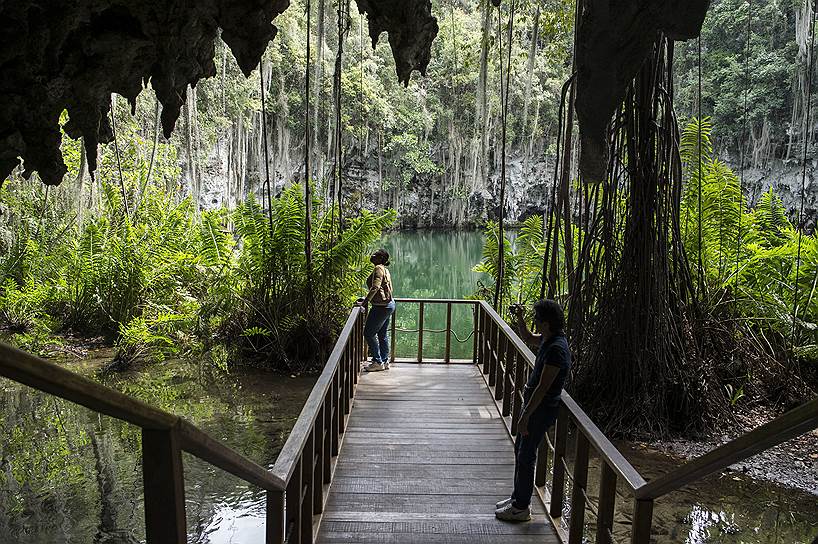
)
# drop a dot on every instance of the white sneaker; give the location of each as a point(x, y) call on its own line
point(510, 513)
point(503, 503)
point(374, 366)
point(385, 365)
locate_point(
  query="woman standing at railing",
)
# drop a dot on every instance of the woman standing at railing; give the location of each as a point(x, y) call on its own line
point(382, 307)
point(541, 401)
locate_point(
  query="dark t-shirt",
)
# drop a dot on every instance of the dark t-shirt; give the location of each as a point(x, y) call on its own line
point(552, 352)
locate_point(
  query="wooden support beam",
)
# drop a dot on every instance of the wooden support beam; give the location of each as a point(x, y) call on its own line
point(580, 478)
point(164, 485)
point(274, 529)
point(420, 333)
point(447, 356)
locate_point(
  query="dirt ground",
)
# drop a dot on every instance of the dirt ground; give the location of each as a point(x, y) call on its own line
point(793, 464)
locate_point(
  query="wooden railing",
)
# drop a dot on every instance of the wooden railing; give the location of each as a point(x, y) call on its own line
point(421, 328)
point(305, 463)
point(296, 485)
point(505, 361)
point(301, 471)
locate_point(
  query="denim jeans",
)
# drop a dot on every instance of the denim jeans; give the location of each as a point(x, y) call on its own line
point(525, 452)
point(376, 331)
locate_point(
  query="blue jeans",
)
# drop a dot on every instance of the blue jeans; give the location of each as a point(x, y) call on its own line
point(525, 451)
point(376, 331)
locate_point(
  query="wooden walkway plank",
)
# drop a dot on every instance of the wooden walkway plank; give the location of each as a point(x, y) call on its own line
point(424, 458)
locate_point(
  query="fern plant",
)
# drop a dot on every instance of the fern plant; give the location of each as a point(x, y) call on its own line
point(282, 313)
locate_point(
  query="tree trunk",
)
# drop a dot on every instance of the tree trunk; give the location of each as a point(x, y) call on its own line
point(318, 167)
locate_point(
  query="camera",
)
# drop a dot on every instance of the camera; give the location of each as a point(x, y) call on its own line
point(516, 309)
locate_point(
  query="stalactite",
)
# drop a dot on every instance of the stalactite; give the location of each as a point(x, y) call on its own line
point(318, 165)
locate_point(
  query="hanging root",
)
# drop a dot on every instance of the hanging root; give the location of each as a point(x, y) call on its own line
point(640, 368)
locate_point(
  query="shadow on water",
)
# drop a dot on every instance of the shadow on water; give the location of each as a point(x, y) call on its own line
point(70, 476)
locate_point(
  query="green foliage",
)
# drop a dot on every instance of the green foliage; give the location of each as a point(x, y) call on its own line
point(522, 268)
point(753, 254)
point(772, 69)
point(282, 311)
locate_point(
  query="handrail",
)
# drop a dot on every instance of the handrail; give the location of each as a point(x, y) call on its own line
point(789, 425)
point(603, 445)
point(288, 456)
point(24, 368)
point(448, 331)
point(598, 440)
point(51, 378)
point(500, 349)
point(199, 443)
point(437, 300)
point(164, 436)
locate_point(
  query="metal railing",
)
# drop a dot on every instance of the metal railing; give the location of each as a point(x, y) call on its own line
point(303, 468)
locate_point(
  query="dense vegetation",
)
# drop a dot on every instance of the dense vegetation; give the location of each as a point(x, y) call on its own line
point(139, 265)
point(755, 277)
point(178, 245)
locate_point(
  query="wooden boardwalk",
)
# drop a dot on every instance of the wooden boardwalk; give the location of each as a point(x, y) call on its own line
point(424, 458)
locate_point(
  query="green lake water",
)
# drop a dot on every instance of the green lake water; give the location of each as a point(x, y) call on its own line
point(434, 264)
point(68, 476)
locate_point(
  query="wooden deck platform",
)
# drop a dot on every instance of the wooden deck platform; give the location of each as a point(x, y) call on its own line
point(424, 458)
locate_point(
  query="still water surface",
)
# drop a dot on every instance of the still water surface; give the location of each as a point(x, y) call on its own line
point(69, 476)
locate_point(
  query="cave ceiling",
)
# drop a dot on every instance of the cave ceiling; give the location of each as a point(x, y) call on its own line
point(71, 55)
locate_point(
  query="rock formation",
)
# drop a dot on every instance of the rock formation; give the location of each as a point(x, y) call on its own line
point(614, 37)
point(71, 55)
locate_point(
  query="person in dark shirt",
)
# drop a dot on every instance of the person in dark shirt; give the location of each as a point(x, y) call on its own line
point(541, 401)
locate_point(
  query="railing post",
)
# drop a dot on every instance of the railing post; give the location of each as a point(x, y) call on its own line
point(642, 521)
point(293, 501)
point(511, 361)
point(447, 354)
point(475, 331)
point(578, 490)
point(318, 468)
point(517, 405)
point(349, 361)
point(494, 340)
point(542, 463)
point(164, 486)
point(420, 334)
point(502, 367)
point(484, 339)
point(337, 417)
point(607, 502)
point(361, 347)
point(357, 337)
point(394, 337)
point(328, 447)
point(305, 492)
point(558, 479)
point(275, 517)
point(344, 364)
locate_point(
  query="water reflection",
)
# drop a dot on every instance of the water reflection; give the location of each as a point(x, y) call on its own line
point(730, 508)
point(71, 476)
